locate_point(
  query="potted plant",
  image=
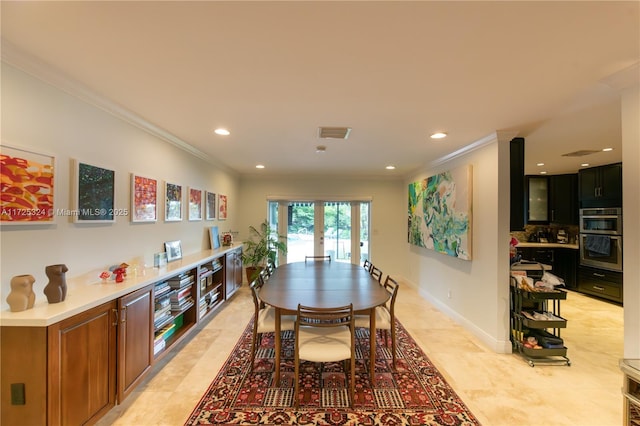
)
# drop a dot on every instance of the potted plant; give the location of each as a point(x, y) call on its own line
point(263, 244)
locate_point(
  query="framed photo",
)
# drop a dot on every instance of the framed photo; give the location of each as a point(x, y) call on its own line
point(222, 202)
point(195, 204)
point(94, 199)
point(173, 249)
point(144, 199)
point(211, 206)
point(28, 190)
point(214, 238)
point(173, 202)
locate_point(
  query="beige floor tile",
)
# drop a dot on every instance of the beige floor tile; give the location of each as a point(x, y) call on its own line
point(500, 389)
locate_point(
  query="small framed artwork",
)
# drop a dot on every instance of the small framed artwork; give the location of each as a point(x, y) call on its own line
point(211, 205)
point(214, 237)
point(173, 202)
point(28, 190)
point(94, 189)
point(222, 202)
point(144, 199)
point(195, 204)
point(173, 250)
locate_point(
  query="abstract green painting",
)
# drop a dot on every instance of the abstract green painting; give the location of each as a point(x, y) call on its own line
point(440, 212)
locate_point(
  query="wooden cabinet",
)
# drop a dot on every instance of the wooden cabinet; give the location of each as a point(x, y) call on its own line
point(601, 186)
point(537, 200)
point(73, 371)
point(563, 199)
point(552, 199)
point(211, 286)
point(600, 283)
point(174, 310)
point(135, 337)
point(563, 261)
point(233, 271)
point(81, 367)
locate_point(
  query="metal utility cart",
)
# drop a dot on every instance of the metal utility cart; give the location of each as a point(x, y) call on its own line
point(536, 313)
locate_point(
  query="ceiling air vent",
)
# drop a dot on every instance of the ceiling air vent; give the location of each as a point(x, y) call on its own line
point(334, 132)
point(580, 153)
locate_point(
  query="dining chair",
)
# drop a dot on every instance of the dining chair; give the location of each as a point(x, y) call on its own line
point(367, 265)
point(270, 267)
point(264, 319)
point(385, 316)
point(314, 258)
point(325, 335)
point(376, 273)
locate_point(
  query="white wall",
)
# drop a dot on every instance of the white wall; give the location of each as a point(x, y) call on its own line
point(479, 288)
point(41, 117)
point(388, 209)
point(631, 214)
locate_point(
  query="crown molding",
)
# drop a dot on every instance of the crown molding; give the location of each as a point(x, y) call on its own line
point(482, 142)
point(45, 72)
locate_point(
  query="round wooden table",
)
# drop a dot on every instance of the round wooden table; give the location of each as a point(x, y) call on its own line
point(323, 284)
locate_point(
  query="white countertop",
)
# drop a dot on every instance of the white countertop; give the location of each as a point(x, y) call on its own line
point(88, 291)
point(549, 245)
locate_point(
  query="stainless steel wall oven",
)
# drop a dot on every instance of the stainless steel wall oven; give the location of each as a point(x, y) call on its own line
point(601, 238)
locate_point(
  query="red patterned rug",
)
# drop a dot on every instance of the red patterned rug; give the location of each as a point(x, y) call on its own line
point(413, 394)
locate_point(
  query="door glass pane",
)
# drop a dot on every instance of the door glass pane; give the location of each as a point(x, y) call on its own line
point(337, 230)
point(364, 232)
point(300, 230)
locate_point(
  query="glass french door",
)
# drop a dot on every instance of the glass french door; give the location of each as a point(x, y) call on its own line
point(339, 229)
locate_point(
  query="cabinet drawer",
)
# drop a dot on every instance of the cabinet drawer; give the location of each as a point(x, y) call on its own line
point(604, 289)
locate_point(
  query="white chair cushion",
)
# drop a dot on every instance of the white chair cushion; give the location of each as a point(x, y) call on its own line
point(324, 344)
point(383, 319)
point(267, 320)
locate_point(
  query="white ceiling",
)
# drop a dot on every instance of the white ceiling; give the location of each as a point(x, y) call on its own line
point(273, 72)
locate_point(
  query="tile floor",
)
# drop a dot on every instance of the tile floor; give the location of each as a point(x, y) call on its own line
point(500, 389)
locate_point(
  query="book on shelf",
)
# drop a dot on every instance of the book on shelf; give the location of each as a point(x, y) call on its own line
point(158, 346)
point(162, 289)
point(181, 280)
point(181, 294)
point(162, 311)
point(182, 305)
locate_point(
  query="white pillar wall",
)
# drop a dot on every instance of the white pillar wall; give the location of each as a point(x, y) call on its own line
point(631, 213)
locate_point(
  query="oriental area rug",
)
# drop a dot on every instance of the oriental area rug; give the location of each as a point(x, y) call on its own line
point(415, 393)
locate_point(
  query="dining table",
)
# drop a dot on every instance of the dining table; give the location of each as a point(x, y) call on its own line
point(323, 284)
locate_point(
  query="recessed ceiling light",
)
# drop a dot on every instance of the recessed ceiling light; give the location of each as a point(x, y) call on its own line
point(321, 148)
point(584, 165)
point(543, 173)
point(390, 167)
point(438, 135)
point(222, 132)
point(260, 166)
point(540, 164)
point(607, 149)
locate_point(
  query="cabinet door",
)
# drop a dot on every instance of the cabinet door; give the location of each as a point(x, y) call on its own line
point(564, 199)
point(82, 366)
point(611, 185)
point(565, 266)
point(230, 273)
point(538, 199)
point(135, 339)
point(238, 271)
point(588, 182)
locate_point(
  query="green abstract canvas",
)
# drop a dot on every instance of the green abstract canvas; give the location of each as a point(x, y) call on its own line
point(439, 212)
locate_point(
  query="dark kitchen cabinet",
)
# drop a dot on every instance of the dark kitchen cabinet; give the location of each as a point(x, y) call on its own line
point(562, 260)
point(601, 186)
point(563, 199)
point(537, 200)
point(517, 190)
point(600, 283)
